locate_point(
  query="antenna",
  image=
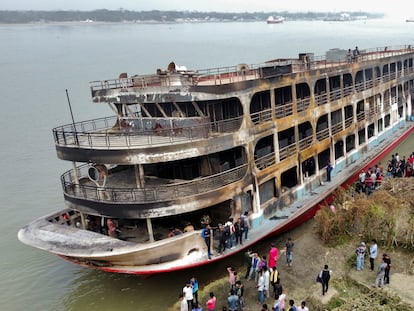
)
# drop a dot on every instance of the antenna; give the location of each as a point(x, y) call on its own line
point(73, 120)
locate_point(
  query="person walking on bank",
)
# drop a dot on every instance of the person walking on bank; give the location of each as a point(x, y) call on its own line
point(379, 280)
point(387, 260)
point(325, 276)
point(373, 252)
point(289, 251)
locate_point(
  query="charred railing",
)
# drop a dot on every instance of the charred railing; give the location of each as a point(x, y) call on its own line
point(265, 161)
point(84, 189)
point(107, 133)
point(231, 74)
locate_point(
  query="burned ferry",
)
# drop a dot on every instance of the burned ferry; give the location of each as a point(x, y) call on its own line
point(196, 147)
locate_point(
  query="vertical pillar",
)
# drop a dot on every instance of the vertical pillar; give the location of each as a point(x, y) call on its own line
point(150, 231)
point(238, 203)
point(83, 221)
point(75, 174)
point(139, 176)
point(256, 197)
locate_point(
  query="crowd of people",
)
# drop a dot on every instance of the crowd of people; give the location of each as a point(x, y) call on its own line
point(263, 272)
point(383, 271)
point(372, 178)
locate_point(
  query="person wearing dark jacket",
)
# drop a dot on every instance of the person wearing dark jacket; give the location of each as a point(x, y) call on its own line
point(325, 276)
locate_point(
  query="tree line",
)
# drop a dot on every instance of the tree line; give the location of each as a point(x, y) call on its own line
point(121, 15)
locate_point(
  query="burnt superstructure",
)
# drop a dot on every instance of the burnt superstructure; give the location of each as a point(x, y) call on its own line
point(184, 144)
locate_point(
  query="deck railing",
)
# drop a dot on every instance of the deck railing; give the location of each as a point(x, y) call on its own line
point(286, 151)
point(265, 161)
point(322, 134)
point(163, 192)
point(261, 116)
point(106, 133)
point(230, 74)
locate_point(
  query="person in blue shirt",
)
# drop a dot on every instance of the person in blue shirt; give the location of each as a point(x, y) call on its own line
point(206, 235)
point(194, 285)
point(233, 301)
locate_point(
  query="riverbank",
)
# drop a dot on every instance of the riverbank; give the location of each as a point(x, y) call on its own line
point(349, 289)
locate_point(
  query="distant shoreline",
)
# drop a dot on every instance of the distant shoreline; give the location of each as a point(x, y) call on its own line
point(155, 16)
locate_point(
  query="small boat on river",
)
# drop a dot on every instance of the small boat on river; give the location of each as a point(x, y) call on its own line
point(275, 20)
point(186, 148)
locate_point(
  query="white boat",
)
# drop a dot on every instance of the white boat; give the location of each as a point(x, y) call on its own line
point(276, 20)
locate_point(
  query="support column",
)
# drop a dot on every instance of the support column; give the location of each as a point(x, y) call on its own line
point(75, 174)
point(150, 232)
point(256, 196)
point(238, 203)
point(139, 176)
point(83, 221)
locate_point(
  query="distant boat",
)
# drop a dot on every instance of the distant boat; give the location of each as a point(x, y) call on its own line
point(410, 20)
point(277, 20)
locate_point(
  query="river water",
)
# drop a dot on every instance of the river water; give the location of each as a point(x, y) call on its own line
point(40, 61)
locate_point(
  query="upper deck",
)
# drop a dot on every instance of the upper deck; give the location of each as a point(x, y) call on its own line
point(139, 138)
point(129, 88)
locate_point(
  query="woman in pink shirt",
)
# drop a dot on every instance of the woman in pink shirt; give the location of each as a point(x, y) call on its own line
point(273, 256)
point(211, 303)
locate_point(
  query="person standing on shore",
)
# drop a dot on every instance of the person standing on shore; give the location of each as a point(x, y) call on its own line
point(260, 287)
point(289, 251)
point(302, 307)
point(194, 285)
point(247, 262)
point(379, 280)
point(292, 305)
point(325, 276)
point(360, 256)
point(183, 303)
point(188, 295)
point(232, 277)
point(273, 256)
point(233, 301)
point(373, 252)
point(211, 303)
point(387, 260)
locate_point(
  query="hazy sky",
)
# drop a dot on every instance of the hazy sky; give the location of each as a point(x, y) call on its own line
point(394, 7)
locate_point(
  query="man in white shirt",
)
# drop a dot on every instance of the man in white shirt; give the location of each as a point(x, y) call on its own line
point(302, 307)
point(373, 252)
point(188, 295)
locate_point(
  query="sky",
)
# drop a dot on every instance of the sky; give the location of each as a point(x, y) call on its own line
point(390, 8)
